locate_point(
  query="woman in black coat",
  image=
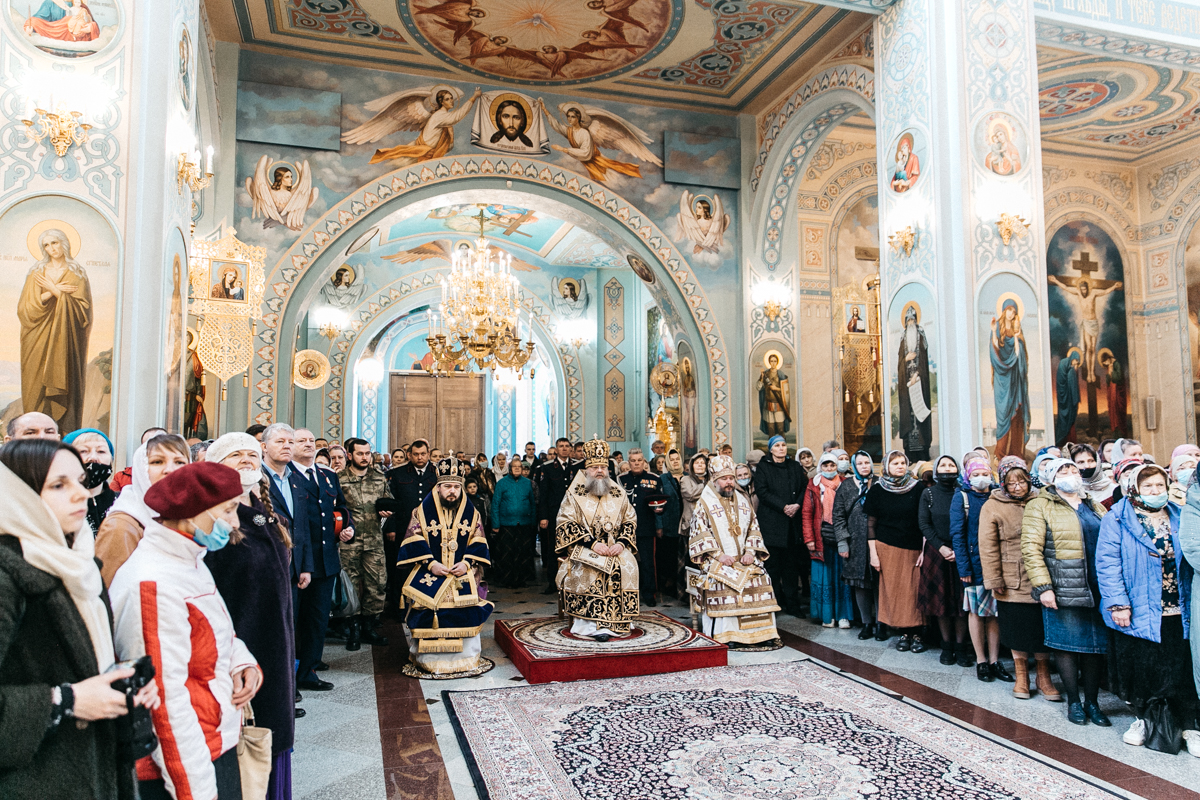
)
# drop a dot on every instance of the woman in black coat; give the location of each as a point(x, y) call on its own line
point(780, 484)
point(57, 705)
point(253, 575)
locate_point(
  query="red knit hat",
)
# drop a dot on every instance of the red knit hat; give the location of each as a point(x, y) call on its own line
point(191, 490)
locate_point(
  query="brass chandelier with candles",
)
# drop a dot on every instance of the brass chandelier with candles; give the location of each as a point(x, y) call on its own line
point(479, 316)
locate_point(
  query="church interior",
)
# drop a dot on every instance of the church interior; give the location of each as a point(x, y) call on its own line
point(483, 223)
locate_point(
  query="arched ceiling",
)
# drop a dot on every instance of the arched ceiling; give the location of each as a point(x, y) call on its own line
point(1122, 110)
point(713, 54)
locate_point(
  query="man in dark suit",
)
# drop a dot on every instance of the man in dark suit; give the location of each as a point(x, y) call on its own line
point(410, 484)
point(645, 491)
point(554, 478)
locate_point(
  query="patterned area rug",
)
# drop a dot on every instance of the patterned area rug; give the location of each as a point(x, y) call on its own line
point(794, 730)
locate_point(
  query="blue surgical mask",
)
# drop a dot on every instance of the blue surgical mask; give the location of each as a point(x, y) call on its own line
point(843, 466)
point(1071, 484)
point(1153, 500)
point(1184, 476)
point(215, 539)
point(828, 474)
point(743, 482)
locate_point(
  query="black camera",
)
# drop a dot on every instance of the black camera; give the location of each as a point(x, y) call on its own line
point(135, 731)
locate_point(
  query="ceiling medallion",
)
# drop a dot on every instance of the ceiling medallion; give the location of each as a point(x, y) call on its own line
point(544, 42)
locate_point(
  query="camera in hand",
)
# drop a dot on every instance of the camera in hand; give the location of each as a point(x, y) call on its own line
point(135, 731)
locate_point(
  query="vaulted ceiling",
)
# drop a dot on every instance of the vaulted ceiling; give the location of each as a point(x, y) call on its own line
point(710, 54)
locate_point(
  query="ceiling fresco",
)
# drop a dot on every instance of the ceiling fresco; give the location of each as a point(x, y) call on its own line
point(1126, 111)
point(711, 54)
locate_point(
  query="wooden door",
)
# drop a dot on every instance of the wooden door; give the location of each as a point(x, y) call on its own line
point(448, 411)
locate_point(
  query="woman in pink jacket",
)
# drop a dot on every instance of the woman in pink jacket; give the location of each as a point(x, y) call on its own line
point(166, 606)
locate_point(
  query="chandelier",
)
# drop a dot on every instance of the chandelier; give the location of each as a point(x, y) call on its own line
point(479, 314)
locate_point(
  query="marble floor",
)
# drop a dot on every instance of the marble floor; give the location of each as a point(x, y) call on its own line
point(381, 735)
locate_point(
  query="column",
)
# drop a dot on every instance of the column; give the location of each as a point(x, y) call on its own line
point(963, 271)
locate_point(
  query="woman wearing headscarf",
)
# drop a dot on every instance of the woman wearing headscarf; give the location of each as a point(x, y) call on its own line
point(1183, 466)
point(850, 531)
point(1145, 596)
point(253, 575)
point(830, 603)
point(128, 517)
point(96, 450)
point(977, 599)
point(806, 459)
point(1096, 482)
point(485, 479)
point(57, 704)
point(1019, 615)
point(745, 483)
point(941, 590)
point(894, 537)
point(1059, 531)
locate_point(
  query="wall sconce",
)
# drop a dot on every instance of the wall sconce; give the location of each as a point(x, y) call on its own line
point(370, 373)
point(62, 127)
point(1011, 226)
point(575, 332)
point(189, 172)
point(773, 297)
point(330, 322)
point(904, 239)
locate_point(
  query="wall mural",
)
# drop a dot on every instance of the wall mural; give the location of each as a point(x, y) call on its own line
point(773, 414)
point(1009, 338)
point(660, 349)
point(175, 352)
point(570, 297)
point(66, 29)
point(1089, 355)
point(857, 265)
point(909, 152)
point(703, 221)
point(1191, 266)
point(1000, 144)
point(282, 193)
point(912, 322)
point(61, 301)
point(689, 413)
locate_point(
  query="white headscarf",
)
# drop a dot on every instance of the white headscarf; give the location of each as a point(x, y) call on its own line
point(44, 546)
point(130, 501)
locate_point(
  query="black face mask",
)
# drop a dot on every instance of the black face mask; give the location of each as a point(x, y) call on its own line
point(95, 473)
point(947, 478)
point(1088, 473)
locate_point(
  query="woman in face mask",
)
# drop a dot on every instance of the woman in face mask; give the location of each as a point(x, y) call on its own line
point(830, 603)
point(1059, 531)
point(1145, 596)
point(745, 483)
point(941, 590)
point(850, 531)
point(1183, 467)
point(253, 575)
point(96, 450)
point(978, 600)
point(122, 529)
point(164, 600)
point(1096, 482)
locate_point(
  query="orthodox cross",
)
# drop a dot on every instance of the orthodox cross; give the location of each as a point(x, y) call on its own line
point(515, 227)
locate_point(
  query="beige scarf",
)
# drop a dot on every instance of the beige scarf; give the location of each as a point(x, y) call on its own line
point(44, 546)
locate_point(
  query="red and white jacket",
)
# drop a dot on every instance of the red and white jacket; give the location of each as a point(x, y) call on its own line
point(166, 605)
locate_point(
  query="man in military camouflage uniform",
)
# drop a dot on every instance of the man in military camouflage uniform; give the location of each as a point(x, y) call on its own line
point(368, 497)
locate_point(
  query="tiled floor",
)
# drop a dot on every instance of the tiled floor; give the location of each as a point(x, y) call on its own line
point(381, 735)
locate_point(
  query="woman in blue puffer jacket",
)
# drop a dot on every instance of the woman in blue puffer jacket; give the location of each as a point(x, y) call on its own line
point(1145, 595)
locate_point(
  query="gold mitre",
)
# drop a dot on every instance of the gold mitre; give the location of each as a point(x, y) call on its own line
point(451, 470)
point(595, 453)
point(720, 466)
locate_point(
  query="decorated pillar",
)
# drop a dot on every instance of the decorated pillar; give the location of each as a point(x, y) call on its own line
point(963, 272)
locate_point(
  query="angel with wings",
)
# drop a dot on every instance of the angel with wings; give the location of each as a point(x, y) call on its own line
point(443, 250)
point(703, 222)
point(589, 128)
point(284, 196)
point(569, 298)
point(430, 110)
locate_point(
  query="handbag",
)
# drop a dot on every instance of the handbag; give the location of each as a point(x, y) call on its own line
point(254, 757)
point(345, 597)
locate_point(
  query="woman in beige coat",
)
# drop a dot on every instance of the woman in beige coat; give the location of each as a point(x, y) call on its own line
point(1004, 574)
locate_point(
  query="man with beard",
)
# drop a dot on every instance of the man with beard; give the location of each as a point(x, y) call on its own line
point(444, 545)
point(511, 121)
point(729, 585)
point(596, 538)
point(554, 480)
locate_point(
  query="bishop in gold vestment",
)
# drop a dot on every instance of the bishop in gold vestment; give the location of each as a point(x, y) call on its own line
point(596, 542)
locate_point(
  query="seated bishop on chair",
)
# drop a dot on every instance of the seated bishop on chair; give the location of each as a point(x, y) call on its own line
point(444, 546)
point(596, 542)
point(728, 583)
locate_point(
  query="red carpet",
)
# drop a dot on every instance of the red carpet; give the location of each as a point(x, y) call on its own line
point(543, 650)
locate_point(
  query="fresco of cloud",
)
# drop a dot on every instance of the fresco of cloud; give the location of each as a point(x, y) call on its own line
point(700, 160)
point(289, 116)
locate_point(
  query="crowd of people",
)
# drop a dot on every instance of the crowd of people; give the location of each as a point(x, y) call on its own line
point(146, 614)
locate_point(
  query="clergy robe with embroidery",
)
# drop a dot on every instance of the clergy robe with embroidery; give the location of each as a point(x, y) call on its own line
point(444, 613)
point(602, 590)
point(736, 602)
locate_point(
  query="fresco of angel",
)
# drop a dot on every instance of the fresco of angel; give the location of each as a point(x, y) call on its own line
point(458, 16)
point(569, 298)
point(703, 222)
point(430, 110)
point(283, 196)
point(443, 250)
point(588, 129)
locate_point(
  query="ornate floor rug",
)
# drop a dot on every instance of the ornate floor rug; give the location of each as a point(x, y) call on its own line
point(793, 730)
point(543, 649)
